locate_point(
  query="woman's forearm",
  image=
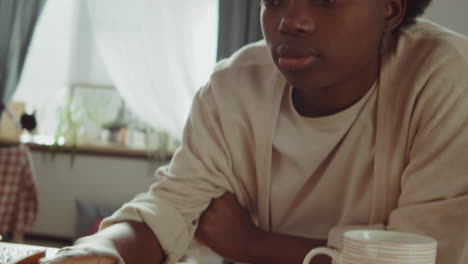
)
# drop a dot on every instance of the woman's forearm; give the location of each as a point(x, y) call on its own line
point(135, 242)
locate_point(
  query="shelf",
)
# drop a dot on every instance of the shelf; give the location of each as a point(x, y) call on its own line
point(98, 150)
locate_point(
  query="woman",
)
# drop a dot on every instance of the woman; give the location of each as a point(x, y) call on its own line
point(350, 113)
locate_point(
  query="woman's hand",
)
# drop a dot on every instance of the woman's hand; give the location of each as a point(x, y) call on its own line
point(88, 250)
point(79, 256)
point(227, 228)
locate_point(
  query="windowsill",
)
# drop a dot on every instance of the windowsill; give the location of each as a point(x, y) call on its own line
point(108, 150)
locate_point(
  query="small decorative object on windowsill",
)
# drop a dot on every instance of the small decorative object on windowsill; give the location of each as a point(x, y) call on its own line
point(117, 132)
point(117, 128)
point(28, 121)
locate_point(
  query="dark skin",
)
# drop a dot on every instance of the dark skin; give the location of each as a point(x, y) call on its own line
point(329, 51)
point(344, 36)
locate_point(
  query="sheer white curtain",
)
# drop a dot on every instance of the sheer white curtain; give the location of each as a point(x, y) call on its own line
point(157, 52)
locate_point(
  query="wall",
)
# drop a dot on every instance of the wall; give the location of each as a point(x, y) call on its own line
point(105, 181)
point(450, 13)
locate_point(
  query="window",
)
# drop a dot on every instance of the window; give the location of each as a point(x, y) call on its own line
point(74, 69)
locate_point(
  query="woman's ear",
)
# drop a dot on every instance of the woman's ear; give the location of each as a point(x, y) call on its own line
point(394, 13)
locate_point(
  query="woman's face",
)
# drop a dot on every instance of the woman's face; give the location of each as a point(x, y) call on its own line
point(324, 43)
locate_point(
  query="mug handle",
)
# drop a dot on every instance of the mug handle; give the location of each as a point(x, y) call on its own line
point(334, 254)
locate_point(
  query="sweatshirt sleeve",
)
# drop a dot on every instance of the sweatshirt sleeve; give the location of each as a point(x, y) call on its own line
point(434, 184)
point(199, 171)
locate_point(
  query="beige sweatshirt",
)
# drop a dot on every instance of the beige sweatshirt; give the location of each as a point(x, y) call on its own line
point(420, 172)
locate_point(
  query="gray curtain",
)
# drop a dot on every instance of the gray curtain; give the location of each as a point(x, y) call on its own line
point(17, 22)
point(239, 24)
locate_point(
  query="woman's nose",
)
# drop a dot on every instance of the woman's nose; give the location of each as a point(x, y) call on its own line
point(296, 20)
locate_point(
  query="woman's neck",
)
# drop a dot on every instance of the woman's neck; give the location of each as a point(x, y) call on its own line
point(333, 99)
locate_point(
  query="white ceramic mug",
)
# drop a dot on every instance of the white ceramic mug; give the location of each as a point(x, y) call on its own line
point(380, 247)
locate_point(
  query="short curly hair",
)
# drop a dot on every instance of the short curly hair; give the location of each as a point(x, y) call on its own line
point(414, 9)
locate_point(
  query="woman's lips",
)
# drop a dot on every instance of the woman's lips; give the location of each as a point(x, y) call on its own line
point(296, 63)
